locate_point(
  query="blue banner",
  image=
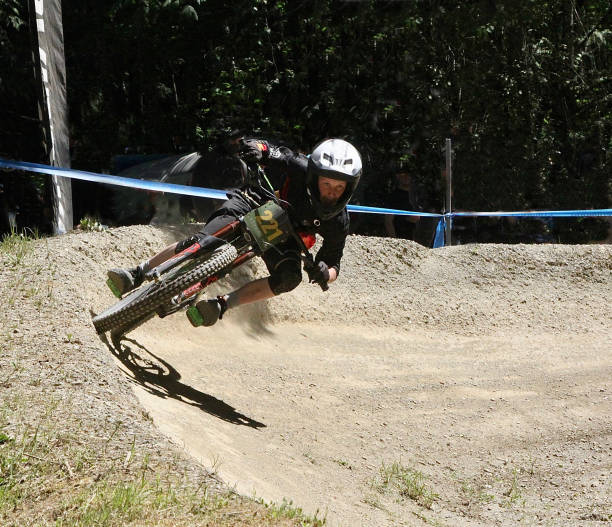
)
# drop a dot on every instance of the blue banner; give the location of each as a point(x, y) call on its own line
point(221, 194)
point(155, 186)
point(539, 214)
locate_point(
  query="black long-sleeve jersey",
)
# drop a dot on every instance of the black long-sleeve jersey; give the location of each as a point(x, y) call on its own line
point(288, 171)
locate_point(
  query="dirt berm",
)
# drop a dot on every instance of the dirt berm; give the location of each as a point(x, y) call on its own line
point(464, 386)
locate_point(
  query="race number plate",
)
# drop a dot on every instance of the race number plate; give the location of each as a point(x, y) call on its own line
point(268, 224)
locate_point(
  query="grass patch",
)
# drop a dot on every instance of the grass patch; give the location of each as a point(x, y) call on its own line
point(287, 510)
point(475, 493)
point(373, 501)
point(429, 521)
point(148, 501)
point(34, 283)
point(50, 477)
point(504, 489)
point(513, 494)
point(343, 463)
point(16, 246)
point(407, 482)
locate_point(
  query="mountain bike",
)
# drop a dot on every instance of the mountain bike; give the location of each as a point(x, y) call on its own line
point(176, 284)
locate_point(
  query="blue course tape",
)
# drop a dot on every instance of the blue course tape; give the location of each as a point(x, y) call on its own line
point(155, 186)
point(166, 187)
point(187, 190)
point(539, 213)
point(377, 210)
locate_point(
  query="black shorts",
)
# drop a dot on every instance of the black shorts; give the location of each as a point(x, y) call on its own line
point(283, 261)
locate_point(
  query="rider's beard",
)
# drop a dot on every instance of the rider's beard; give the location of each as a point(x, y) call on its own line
point(328, 202)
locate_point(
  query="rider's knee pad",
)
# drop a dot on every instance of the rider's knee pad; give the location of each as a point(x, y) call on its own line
point(286, 277)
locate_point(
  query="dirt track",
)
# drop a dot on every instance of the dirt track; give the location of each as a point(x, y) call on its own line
point(485, 368)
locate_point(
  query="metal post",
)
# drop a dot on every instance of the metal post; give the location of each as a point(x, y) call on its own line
point(449, 180)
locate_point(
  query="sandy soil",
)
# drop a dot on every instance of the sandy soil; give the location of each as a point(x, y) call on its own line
point(484, 368)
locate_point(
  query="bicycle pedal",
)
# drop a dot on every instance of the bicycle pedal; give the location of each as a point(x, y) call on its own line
point(194, 316)
point(114, 289)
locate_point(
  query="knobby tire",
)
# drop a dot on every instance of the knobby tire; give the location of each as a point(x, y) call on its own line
point(141, 305)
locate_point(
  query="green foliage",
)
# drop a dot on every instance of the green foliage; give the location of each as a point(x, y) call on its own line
point(20, 130)
point(91, 224)
point(10, 14)
point(522, 88)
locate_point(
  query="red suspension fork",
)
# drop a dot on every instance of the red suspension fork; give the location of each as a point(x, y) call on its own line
point(230, 228)
point(189, 251)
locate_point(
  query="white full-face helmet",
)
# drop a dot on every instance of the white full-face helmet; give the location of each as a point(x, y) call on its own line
point(334, 159)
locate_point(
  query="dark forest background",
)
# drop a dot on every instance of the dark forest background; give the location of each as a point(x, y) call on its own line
point(523, 89)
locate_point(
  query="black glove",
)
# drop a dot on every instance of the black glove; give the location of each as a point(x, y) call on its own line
point(319, 274)
point(254, 150)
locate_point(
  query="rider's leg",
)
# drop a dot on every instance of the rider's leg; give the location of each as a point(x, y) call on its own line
point(285, 275)
point(248, 293)
point(212, 310)
point(122, 281)
point(162, 256)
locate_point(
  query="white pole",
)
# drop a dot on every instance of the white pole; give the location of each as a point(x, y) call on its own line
point(449, 193)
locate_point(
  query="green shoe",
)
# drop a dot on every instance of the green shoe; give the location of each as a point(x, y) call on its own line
point(122, 281)
point(207, 312)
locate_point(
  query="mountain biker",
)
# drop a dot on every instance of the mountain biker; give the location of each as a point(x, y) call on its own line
point(315, 190)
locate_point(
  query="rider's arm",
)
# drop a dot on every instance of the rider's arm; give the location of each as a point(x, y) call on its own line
point(334, 233)
point(281, 158)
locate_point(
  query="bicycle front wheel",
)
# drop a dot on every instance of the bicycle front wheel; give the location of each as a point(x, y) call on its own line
point(142, 303)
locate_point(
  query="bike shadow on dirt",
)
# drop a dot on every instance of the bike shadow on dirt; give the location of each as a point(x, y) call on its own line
point(160, 378)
